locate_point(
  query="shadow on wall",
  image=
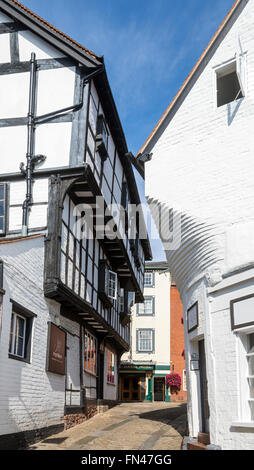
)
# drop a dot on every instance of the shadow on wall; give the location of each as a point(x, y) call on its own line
point(175, 417)
point(232, 110)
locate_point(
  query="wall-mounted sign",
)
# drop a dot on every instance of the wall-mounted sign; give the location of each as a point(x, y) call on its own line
point(242, 312)
point(194, 365)
point(192, 317)
point(56, 350)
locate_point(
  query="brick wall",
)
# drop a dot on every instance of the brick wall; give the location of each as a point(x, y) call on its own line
point(177, 341)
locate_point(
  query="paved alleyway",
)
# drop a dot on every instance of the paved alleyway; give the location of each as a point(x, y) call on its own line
point(135, 426)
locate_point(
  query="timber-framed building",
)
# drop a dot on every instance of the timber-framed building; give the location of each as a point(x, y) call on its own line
point(64, 295)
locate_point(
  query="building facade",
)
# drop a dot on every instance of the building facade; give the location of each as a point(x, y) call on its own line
point(177, 351)
point(155, 340)
point(204, 143)
point(65, 287)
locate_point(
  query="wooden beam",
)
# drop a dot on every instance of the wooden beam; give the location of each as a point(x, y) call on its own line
point(11, 27)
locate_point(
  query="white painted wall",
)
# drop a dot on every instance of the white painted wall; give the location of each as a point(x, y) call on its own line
point(202, 168)
point(160, 322)
point(30, 397)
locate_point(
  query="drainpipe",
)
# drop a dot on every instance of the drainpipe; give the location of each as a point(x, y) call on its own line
point(30, 145)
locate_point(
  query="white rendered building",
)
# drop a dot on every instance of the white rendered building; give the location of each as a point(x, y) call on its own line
point(202, 170)
point(144, 368)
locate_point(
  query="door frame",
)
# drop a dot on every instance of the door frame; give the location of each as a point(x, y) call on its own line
point(203, 387)
point(162, 378)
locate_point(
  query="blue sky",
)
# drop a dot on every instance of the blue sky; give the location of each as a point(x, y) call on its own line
point(149, 47)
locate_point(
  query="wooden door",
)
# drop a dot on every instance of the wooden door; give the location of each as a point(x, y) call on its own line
point(159, 389)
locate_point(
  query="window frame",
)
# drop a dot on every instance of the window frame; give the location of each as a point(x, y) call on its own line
point(244, 410)
point(240, 68)
point(115, 285)
point(142, 351)
point(140, 314)
point(92, 369)
point(111, 361)
point(28, 316)
point(152, 284)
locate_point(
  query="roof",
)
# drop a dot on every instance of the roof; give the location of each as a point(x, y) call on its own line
point(191, 75)
point(60, 40)
point(156, 265)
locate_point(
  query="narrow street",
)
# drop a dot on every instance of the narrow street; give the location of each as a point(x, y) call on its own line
point(128, 426)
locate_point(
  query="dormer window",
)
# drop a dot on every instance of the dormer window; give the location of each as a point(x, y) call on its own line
point(229, 79)
point(2, 208)
point(102, 138)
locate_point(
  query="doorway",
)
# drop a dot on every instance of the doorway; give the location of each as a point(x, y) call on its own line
point(205, 412)
point(131, 387)
point(159, 389)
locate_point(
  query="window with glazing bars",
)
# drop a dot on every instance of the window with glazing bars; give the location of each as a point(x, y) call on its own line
point(147, 308)
point(250, 377)
point(149, 279)
point(145, 340)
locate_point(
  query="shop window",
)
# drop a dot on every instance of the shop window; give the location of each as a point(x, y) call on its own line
point(110, 367)
point(90, 353)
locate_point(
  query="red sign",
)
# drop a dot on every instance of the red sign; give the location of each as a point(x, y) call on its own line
point(57, 348)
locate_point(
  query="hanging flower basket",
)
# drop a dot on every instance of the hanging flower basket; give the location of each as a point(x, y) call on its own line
point(174, 382)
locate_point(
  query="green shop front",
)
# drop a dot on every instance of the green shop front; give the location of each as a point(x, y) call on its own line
point(143, 382)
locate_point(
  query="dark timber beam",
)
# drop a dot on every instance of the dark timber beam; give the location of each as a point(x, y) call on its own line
point(11, 27)
point(22, 121)
point(42, 64)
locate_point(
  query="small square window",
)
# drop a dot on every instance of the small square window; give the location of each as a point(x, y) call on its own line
point(149, 279)
point(146, 308)
point(229, 84)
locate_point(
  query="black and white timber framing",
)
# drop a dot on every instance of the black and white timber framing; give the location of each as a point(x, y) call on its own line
point(72, 95)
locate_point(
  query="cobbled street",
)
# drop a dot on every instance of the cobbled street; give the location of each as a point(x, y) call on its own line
point(128, 426)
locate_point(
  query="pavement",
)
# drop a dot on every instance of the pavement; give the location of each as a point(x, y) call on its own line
point(127, 426)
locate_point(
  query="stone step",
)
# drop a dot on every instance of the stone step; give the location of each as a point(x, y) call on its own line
point(204, 438)
point(195, 446)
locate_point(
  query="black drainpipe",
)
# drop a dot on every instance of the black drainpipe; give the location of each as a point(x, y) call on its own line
point(30, 145)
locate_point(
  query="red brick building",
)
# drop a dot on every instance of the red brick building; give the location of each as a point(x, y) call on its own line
point(177, 342)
